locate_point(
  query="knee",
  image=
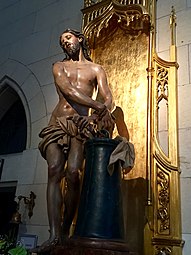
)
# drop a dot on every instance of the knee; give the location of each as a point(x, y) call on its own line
point(54, 172)
point(72, 176)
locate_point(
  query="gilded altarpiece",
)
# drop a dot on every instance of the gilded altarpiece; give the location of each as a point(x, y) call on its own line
point(121, 34)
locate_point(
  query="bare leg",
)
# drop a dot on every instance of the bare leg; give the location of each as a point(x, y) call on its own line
point(56, 161)
point(71, 199)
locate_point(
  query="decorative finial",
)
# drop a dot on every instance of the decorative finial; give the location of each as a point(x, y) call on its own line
point(173, 26)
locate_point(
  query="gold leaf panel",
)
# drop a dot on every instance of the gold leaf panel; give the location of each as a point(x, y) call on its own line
point(125, 60)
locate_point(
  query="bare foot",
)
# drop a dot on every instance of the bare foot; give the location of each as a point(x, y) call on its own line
point(46, 246)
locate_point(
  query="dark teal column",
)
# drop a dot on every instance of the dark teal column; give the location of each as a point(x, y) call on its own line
point(100, 213)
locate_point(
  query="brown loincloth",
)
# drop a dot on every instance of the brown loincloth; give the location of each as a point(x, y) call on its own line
point(60, 134)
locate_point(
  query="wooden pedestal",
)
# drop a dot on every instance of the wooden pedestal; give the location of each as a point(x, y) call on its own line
point(92, 246)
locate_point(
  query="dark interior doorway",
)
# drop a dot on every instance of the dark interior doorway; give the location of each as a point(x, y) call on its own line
point(8, 206)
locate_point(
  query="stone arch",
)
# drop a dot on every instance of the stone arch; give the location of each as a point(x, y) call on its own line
point(7, 82)
point(17, 76)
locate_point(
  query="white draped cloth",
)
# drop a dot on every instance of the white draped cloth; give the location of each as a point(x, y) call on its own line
point(124, 153)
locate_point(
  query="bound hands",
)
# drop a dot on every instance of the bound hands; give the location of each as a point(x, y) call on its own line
point(102, 118)
point(105, 120)
point(83, 121)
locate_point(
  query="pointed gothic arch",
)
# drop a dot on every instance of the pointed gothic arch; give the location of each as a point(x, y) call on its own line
point(14, 118)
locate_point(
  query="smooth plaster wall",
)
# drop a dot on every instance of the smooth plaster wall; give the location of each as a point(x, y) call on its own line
point(29, 44)
point(183, 40)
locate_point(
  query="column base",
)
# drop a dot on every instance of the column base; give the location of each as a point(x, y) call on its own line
point(92, 246)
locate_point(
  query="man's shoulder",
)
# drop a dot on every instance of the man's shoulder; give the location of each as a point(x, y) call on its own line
point(98, 69)
point(95, 66)
point(58, 63)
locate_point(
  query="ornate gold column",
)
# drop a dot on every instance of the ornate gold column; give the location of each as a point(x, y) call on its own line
point(165, 175)
point(122, 37)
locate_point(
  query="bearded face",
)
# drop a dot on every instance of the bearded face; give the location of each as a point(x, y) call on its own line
point(70, 43)
point(72, 49)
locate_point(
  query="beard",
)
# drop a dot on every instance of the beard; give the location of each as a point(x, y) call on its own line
point(73, 50)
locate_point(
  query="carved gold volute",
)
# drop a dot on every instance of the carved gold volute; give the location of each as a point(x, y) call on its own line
point(99, 16)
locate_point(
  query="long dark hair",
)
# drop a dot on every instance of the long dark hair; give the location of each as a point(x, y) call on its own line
point(83, 43)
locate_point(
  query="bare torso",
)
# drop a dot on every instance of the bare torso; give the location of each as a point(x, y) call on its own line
point(81, 75)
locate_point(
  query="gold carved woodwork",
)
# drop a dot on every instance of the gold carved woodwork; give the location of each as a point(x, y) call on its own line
point(165, 168)
point(106, 15)
point(163, 214)
point(163, 250)
point(122, 35)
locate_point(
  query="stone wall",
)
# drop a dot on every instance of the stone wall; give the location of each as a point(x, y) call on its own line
point(183, 13)
point(29, 44)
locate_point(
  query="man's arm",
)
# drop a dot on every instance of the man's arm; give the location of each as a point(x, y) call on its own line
point(103, 87)
point(106, 120)
point(73, 93)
